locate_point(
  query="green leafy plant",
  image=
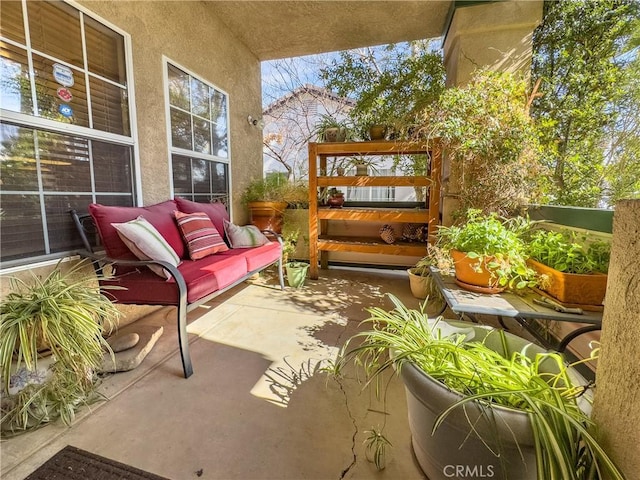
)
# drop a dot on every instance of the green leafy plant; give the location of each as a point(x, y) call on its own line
point(490, 140)
point(276, 188)
point(376, 447)
point(268, 189)
point(497, 239)
point(565, 447)
point(328, 121)
point(569, 252)
point(289, 244)
point(66, 314)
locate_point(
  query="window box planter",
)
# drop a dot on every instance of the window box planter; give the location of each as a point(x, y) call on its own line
point(572, 288)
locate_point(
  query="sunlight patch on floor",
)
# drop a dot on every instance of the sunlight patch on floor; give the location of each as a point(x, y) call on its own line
point(286, 338)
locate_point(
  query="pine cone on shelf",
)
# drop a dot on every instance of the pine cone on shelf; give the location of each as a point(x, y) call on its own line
point(387, 234)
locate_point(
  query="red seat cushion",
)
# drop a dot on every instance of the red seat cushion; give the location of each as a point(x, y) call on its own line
point(217, 212)
point(211, 273)
point(159, 215)
point(202, 277)
point(258, 257)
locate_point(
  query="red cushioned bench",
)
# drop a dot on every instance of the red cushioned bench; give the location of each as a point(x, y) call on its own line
point(192, 282)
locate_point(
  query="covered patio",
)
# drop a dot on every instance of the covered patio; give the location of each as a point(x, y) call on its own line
point(259, 405)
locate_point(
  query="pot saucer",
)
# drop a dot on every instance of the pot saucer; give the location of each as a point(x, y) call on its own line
point(479, 289)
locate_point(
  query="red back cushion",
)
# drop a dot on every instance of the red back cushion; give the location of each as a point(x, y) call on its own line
point(159, 215)
point(217, 212)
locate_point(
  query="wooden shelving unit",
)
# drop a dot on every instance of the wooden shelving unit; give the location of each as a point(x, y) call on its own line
point(320, 243)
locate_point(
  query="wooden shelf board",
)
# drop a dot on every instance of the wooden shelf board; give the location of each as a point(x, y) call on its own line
point(370, 245)
point(374, 147)
point(409, 215)
point(372, 181)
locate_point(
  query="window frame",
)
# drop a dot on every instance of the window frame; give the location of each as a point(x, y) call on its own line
point(36, 122)
point(166, 61)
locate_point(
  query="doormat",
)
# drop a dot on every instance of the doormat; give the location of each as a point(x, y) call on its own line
point(71, 463)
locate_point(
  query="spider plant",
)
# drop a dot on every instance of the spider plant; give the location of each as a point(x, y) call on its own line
point(66, 314)
point(564, 445)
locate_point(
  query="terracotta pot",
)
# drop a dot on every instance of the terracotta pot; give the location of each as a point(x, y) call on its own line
point(377, 132)
point(572, 288)
point(267, 215)
point(335, 201)
point(468, 276)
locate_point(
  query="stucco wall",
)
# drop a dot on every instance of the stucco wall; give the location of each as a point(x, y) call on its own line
point(189, 34)
point(616, 408)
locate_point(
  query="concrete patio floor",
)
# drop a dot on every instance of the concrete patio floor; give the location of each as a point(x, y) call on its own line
point(258, 406)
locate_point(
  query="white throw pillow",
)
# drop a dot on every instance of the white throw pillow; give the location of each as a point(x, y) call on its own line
point(146, 243)
point(243, 237)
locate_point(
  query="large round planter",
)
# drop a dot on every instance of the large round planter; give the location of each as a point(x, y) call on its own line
point(454, 450)
point(267, 215)
point(572, 288)
point(469, 276)
point(296, 273)
point(419, 285)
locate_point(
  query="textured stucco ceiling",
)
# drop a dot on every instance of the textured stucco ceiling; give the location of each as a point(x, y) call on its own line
point(280, 29)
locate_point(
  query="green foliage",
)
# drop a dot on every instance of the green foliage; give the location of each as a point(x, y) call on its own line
point(490, 140)
point(590, 96)
point(276, 188)
point(390, 84)
point(376, 447)
point(66, 314)
point(328, 121)
point(568, 252)
point(565, 447)
point(290, 242)
point(496, 239)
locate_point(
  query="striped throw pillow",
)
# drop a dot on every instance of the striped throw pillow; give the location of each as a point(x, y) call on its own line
point(200, 234)
point(243, 237)
point(146, 243)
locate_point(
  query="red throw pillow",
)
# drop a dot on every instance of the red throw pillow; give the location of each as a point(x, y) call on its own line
point(201, 236)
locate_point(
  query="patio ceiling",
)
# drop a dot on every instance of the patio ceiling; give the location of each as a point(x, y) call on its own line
point(281, 29)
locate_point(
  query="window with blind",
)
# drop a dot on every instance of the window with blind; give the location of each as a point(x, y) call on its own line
point(65, 132)
point(199, 137)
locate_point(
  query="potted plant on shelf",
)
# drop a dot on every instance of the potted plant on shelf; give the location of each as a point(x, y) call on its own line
point(481, 398)
point(330, 129)
point(264, 199)
point(573, 271)
point(488, 252)
point(335, 198)
point(65, 315)
point(363, 165)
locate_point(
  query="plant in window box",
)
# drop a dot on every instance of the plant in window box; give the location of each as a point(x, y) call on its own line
point(489, 253)
point(573, 270)
point(66, 314)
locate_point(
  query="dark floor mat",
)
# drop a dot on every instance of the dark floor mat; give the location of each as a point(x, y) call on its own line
point(71, 463)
